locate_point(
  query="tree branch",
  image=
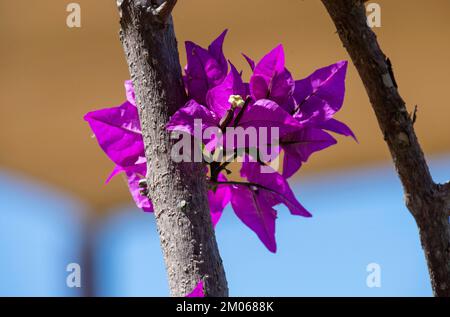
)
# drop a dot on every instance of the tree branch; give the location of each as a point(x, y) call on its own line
point(445, 188)
point(163, 12)
point(178, 190)
point(422, 195)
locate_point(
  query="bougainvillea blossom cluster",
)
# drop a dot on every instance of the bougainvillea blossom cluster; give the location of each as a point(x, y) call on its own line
point(302, 111)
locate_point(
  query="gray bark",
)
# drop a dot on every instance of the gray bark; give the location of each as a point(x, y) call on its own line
point(428, 202)
point(178, 191)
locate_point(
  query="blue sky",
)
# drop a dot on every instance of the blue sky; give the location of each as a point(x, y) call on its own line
point(359, 218)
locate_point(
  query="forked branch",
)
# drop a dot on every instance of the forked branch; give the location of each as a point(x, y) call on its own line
point(428, 202)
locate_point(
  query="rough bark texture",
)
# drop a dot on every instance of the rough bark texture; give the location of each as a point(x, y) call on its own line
point(428, 202)
point(178, 191)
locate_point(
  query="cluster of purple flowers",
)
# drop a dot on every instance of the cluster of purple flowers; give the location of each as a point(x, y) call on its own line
point(301, 110)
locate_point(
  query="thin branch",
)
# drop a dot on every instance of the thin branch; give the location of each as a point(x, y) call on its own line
point(446, 195)
point(250, 185)
point(163, 12)
point(413, 115)
point(423, 197)
point(246, 184)
point(446, 187)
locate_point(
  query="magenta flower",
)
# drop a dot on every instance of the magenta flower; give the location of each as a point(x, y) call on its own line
point(134, 175)
point(263, 113)
point(271, 80)
point(253, 202)
point(211, 115)
point(301, 112)
point(312, 101)
point(205, 69)
point(274, 99)
point(317, 98)
point(129, 91)
point(118, 133)
point(320, 96)
point(299, 146)
point(218, 197)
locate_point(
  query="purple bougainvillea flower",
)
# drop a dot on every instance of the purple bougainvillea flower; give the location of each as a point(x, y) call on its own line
point(184, 119)
point(302, 111)
point(118, 133)
point(116, 171)
point(263, 113)
point(250, 61)
point(253, 208)
point(133, 179)
point(271, 80)
point(299, 146)
point(253, 202)
point(205, 69)
point(217, 99)
point(319, 96)
point(216, 106)
point(312, 101)
point(129, 91)
point(338, 127)
point(219, 199)
point(133, 175)
point(198, 291)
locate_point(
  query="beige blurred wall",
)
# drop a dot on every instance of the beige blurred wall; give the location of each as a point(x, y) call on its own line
point(52, 75)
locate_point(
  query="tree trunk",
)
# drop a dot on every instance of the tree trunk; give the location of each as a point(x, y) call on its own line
point(178, 191)
point(428, 202)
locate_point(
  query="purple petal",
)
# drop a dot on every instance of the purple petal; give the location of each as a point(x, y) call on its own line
point(282, 90)
point(253, 203)
point(116, 171)
point(299, 146)
point(218, 200)
point(198, 291)
point(129, 90)
point(250, 62)
point(217, 98)
point(254, 211)
point(184, 119)
point(142, 202)
point(216, 51)
point(267, 113)
point(276, 187)
point(269, 66)
point(205, 69)
point(118, 133)
point(338, 127)
point(321, 95)
point(260, 121)
point(133, 175)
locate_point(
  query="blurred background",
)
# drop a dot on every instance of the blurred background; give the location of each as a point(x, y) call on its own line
point(55, 208)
